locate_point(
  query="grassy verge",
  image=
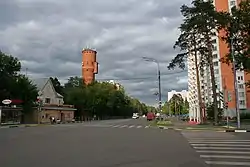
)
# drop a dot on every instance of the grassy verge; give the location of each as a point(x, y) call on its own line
point(161, 123)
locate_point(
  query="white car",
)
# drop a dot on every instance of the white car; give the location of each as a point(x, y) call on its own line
point(135, 116)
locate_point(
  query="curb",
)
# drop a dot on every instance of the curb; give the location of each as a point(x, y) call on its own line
point(164, 127)
point(14, 126)
point(237, 130)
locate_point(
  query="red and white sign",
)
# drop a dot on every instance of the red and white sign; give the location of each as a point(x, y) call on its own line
point(6, 101)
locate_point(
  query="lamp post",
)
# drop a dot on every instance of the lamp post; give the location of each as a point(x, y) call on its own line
point(235, 86)
point(159, 78)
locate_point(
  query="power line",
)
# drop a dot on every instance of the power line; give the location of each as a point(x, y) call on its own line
point(141, 78)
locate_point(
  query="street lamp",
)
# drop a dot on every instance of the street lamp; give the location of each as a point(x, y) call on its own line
point(159, 78)
point(235, 86)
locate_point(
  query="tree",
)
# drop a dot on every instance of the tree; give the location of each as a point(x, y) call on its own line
point(74, 82)
point(24, 90)
point(176, 104)
point(101, 99)
point(15, 85)
point(9, 68)
point(237, 36)
point(57, 85)
point(201, 21)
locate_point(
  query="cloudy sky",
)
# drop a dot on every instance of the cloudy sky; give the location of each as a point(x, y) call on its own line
point(48, 36)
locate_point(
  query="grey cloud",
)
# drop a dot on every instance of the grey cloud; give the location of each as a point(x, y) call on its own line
point(48, 36)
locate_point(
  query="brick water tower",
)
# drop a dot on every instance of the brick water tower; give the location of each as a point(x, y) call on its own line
point(89, 65)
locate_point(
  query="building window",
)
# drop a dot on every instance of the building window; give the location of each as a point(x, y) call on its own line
point(241, 94)
point(215, 56)
point(214, 41)
point(241, 86)
point(232, 3)
point(216, 71)
point(47, 100)
point(216, 63)
point(214, 48)
point(240, 78)
point(242, 102)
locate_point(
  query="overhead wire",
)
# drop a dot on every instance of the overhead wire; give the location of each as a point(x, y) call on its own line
point(140, 78)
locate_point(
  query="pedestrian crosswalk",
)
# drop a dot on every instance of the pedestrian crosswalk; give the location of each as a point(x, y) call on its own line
point(119, 126)
point(222, 151)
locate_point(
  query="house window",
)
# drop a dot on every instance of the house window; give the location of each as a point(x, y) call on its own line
point(47, 100)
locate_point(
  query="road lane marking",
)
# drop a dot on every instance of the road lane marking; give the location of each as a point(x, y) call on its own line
point(123, 126)
point(131, 126)
point(220, 148)
point(139, 126)
point(116, 126)
point(223, 152)
point(228, 163)
point(219, 142)
point(221, 145)
point(225, 156)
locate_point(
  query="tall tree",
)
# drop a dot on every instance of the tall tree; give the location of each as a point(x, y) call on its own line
point(9, 68)
point(202, 20)
point(14, 85)
point(101, 99)
point(74, 82)
point(22, 88)
point(57, 85)
point(237, 36)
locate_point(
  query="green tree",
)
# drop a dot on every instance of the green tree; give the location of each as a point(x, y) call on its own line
point(201, 21)
point(22, 88)
point(9, 68)
point(74, 82)
point(102, 100)
point(237, 34)
point(57, 85)
point(176, 104)
point(210, 113)
point(14, 85)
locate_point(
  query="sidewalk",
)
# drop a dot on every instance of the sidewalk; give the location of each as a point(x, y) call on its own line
point(182, 125)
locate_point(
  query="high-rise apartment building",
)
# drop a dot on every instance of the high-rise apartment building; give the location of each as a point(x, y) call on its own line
point(223, 75)
point(89, 65)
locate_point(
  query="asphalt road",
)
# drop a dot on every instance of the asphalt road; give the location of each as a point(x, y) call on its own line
point(96, 144)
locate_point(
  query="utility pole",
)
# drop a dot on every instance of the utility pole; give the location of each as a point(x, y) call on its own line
point(225, 100)
point(159, 79)
point(235, 86)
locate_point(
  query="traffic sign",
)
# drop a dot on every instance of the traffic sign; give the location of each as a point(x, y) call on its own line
point(6, 101)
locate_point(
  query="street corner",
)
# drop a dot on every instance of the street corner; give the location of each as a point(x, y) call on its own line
point(237, 130)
